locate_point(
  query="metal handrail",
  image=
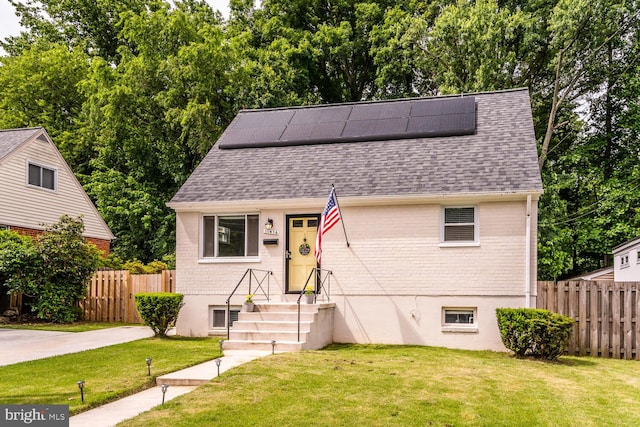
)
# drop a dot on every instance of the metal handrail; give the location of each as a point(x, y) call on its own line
point(252, 276)
point(320, 285)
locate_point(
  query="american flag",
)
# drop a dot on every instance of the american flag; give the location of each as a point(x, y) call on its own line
point(330, 217)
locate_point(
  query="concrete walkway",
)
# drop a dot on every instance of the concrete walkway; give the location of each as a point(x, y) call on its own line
point(21, 345)
point(180, 382)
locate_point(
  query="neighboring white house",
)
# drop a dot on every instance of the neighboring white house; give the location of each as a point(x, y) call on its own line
point(438, 198)
point(626, 262)
point(39, 187)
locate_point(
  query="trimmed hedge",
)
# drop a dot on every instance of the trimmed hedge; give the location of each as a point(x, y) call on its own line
point(159, 310)
point(534, 333)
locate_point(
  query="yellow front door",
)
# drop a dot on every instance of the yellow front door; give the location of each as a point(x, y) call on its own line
point(301, 246)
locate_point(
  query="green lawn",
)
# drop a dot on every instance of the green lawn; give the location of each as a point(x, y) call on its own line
point(66, 327)
point(346, 385)
point(109, 372)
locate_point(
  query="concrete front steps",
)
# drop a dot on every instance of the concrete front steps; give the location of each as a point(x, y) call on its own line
point(279, 322)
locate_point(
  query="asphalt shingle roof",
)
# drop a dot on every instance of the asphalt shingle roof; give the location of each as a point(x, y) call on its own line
point(12, 138)
point(500, 157)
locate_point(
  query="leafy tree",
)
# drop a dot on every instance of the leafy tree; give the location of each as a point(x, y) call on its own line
point(39, 87)
point(54, 269)
point(92, 25)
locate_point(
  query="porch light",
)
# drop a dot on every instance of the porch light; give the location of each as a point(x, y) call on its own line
point(273, 346)
point(81, 387)
point(164, 388)
point(269, 224)
point(218, 361)
point(148, 360)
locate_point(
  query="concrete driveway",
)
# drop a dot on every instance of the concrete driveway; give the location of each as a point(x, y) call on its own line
point(20, 345)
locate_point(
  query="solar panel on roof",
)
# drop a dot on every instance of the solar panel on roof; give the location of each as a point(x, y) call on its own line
point(321, 115)
point(372, 128)
point(266, 118)
point(402, 119)
point(313, 131)
point(380, 111)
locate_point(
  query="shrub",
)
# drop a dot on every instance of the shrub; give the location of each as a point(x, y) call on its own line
point(138, 267)
point(159, 310)
point(534, 333)
point(135, 267)
point(53, 269)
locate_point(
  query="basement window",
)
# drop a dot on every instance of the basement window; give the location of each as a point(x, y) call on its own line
point(459, 319)
point(219, 317)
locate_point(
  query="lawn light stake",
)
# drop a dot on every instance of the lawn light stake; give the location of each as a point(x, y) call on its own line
point(81, 387)
point(164, 388)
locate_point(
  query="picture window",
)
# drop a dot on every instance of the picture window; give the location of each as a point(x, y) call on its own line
point(230, 236)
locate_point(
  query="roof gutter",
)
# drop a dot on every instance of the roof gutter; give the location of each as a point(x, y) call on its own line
point(346, 201)
point(527, 260)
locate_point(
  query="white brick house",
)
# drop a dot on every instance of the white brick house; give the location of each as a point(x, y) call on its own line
point(438, 198)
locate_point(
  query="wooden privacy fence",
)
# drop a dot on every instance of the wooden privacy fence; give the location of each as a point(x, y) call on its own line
point(605, 314)
point(110, 297)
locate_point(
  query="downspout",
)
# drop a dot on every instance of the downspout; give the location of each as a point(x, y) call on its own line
point(527, 252)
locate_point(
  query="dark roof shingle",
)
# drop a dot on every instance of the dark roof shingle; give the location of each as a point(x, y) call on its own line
point(500, 157)
point(11, 139)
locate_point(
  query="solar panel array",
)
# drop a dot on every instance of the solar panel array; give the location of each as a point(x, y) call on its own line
point(415, 118)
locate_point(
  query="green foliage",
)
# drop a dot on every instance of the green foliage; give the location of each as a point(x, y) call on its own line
point(159, 310)
point(137, 267)
point(54, 269)
point(67, 264)
point(136, 92)
point(534, 333)
point(20, 264)
point(113, 262)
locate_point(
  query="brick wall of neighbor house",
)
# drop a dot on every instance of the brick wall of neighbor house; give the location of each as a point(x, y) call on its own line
point(101, 244)
point(394, 265)
point(26, 231)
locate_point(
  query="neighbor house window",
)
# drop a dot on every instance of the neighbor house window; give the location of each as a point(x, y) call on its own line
point(229, 236)
point(219, 317)
point(41, 176)
point(624, 260)
point(459, 225)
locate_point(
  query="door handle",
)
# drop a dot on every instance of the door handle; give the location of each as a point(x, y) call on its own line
point(287, 254)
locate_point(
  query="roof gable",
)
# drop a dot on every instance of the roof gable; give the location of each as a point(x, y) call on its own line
point(499, 157)
point(24, 206)
point(11, 139)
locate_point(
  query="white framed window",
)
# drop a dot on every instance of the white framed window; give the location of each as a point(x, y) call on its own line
point(41, 176)
point(229, 236)
point(624, 260)
point(459, 319)
point(459, 225)
point(219, 318)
